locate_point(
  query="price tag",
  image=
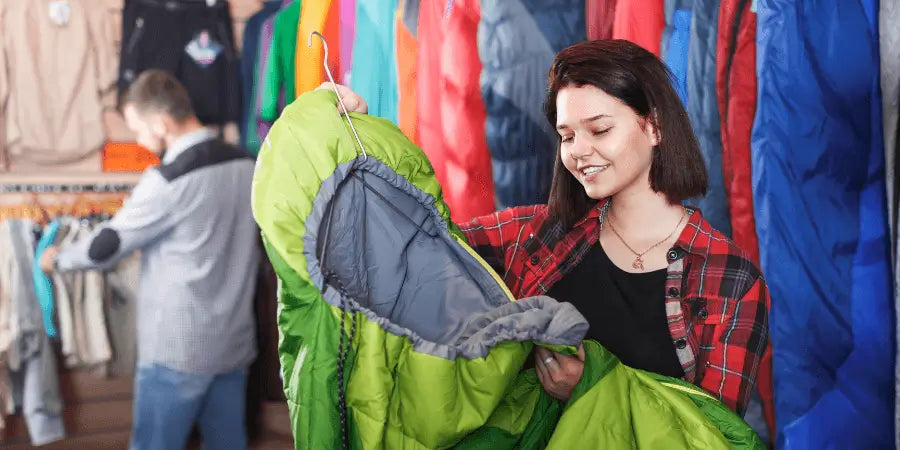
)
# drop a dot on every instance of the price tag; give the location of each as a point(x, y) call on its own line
point(60, 12)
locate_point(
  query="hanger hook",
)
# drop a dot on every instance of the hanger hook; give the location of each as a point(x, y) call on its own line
point(336, 92)
point(324, 42)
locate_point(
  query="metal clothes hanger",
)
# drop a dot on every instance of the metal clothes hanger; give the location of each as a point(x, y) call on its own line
point(336, 92)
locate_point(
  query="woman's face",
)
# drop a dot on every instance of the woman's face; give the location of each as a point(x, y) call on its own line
point(605, 144)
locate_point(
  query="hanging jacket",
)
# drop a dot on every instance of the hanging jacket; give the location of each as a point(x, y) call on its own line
point(447, 83)
point(640, 22)
point(429, 36)
point(348, 37)
point(389, 319)
point(43, 288)
point(250, 67)
point(374, 74)
point(517, 41)
point(281, 65)
point(676, 41)
point(600, 15)
point(406, 56)
point(819, 197)
point(321, 16)
point(889, 42)
point(889, 39)
point(703, 110)
point(736, 93)
point(55, 94)
point(4, 90)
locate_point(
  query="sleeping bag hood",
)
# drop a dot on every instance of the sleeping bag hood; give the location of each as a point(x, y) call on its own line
point(394, 333)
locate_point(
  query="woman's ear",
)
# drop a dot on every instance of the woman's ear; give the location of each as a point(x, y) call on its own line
point(651, 128)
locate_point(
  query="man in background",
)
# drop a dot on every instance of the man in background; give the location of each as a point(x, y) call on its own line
point(191, 220)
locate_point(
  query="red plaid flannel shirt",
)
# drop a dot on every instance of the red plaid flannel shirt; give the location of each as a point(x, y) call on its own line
point(716, 298)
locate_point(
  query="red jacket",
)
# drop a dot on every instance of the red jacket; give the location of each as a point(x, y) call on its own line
point(600, 15)
point(736, 91)
point(450, 108)
point(641, 22)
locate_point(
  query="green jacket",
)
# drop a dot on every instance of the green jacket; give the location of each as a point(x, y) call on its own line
point(365, 253)
point(280, 70)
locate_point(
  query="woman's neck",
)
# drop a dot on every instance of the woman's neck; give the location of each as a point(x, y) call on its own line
point(643, 213)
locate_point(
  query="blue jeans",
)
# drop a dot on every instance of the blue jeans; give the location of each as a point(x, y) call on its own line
point(168, 403)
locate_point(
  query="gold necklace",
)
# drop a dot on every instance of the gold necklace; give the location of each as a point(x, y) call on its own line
point(639, 261)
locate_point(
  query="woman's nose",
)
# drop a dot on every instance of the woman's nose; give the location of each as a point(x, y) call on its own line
point(580, 150)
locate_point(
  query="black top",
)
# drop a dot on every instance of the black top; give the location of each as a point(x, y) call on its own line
point(626, 311)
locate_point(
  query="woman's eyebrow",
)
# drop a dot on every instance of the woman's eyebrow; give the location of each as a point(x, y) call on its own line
point(563, 126)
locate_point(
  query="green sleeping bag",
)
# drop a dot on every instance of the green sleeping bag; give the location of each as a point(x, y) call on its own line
point(395, 334)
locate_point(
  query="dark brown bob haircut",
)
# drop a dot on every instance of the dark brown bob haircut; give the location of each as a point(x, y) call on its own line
point(157, 91)
point(639, 79)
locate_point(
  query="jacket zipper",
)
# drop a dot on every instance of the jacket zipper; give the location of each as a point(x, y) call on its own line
point(136, 34)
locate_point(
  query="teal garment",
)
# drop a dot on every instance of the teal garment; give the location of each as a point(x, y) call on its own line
point(374, 72)
point(252, 141)
point(43, 288)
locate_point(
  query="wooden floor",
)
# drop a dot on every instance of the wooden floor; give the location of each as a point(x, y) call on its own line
point(98, 416)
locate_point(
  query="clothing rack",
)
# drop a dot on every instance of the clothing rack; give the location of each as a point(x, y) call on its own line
point(66, 188)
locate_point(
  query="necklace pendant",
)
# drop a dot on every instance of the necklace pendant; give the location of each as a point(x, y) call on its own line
point(638, 263)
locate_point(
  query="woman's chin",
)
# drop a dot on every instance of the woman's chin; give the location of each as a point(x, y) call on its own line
point(596, 192)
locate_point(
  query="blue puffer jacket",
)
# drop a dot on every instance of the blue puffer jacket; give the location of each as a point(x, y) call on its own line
point(703, 108)
point(821, 217)
point(674, 44)
point(517, 41)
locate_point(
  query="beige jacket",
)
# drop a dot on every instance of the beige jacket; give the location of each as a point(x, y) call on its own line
point(4, 88)
point(58, 77)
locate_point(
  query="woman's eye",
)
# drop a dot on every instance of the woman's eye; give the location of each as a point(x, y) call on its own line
point(601, 132)
point(567, 139)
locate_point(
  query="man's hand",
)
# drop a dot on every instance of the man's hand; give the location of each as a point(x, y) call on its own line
point(559, 373)
point(352, 100)
point(48, 259)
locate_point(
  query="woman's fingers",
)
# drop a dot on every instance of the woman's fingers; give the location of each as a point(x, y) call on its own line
point(351, 100)
point(550, 363)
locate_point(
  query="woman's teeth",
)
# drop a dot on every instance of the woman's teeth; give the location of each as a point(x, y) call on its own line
point(592, 170)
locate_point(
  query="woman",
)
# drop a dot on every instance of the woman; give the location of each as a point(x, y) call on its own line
point(659, 287)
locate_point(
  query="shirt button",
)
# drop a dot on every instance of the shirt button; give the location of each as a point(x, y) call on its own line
point(702, 314)
point(680, 344)
point(672, 255)
point(535, 260)
point(673, 292)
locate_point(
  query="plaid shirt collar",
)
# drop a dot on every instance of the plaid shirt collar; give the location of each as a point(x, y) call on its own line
point(552, 252)
point(689, 241)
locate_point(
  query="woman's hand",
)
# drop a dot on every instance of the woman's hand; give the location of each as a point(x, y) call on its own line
point(352, 100)
point(559, 373)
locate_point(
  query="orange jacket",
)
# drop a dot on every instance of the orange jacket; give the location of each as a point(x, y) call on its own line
point(322, 16)
point(406, 52)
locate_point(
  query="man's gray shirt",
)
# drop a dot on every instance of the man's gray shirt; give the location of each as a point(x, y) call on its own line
point(191, 220)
